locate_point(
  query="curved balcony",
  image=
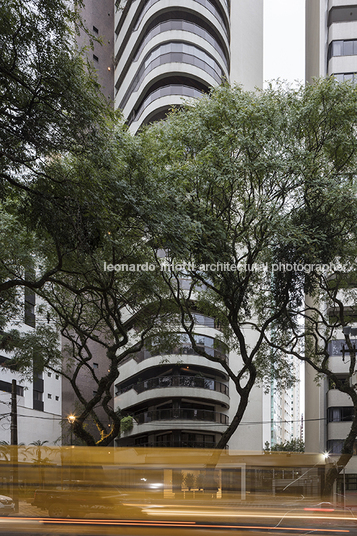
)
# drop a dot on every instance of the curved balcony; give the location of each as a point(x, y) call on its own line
point(204, 3)
point(209, 345)
point(183, 414)
point(162, 382)
point(168, 90)
point(173, 53)
point(183, 25)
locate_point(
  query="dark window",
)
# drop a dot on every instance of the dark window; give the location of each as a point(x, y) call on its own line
point(334, 446)
point(38, 400)
point(342, 378)
point(342, 14)
point(339, 414)
point(30, 319)
point(95, 57)
point(3, 359)
point(342, 48)
point(95, 30)
point(7, 387)
point(95, 365)
point(37, 395)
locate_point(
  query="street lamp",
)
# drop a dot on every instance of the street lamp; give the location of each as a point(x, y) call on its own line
point(71, 418)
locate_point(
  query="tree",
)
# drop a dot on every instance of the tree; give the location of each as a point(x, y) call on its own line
point(230, 157)
point(50, 105)
point(95, 305)
point(294, 445)
point(268, 182)
point(327, 220)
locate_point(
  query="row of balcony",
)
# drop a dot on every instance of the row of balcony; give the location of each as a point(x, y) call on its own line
point(161, 382)
point(187, 414)
point(181, 350)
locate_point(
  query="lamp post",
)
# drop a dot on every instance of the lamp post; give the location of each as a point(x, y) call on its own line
point(71, 418)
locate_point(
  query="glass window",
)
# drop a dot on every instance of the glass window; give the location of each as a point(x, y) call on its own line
point(334, 446)
point(337, 48)
point(339, 414)
point(348, 48)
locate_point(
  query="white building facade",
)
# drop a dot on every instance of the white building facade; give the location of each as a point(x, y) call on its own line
point(165, 52)
point(39, 400)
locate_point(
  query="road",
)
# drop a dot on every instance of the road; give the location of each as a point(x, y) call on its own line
point(255, 524)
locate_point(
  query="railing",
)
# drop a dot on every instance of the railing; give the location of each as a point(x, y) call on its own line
point(189, 414)
point(160, 382)
point(165, 91)
point(181, 444)
point(181, 350)
point(205, 3)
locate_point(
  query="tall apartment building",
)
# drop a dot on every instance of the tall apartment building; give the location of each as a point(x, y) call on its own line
point(331, 49)
point(331, 39)
point(156, 54)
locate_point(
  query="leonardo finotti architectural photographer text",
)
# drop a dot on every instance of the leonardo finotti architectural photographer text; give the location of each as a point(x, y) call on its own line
point(184, 266)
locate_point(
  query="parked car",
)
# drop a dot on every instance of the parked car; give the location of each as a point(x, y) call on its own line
point(7, 505)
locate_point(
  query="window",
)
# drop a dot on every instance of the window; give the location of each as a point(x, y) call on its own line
point(49, 396)
point(95, 30)
point(7, 387)
point(95, 57)
point(342, 48)
point(334, 446)
point(57, 376)
point(30, 307)
point(340, 414)
point(95, 365)
point(341, 377)
point(49, 374)
point(57, 397)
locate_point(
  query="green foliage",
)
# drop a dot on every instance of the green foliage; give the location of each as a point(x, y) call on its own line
point(294, 445)
point(126, 424)
point(263, 179)
point(51, 105)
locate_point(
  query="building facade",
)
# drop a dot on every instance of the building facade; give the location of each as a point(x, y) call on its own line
point(168, 50)
point(331, 39)
point(39, 400)
point(331, 50)
point(165, 52)
point(179, 399)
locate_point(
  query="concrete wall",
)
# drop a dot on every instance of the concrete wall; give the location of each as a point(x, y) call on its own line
point(247, 43)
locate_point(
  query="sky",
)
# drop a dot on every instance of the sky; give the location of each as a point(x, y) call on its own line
point(284, 40)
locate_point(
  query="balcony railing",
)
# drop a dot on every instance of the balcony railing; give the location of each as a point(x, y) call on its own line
point(181, 350)
point(161, 382)
point(181, 444)
point(189, 414)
